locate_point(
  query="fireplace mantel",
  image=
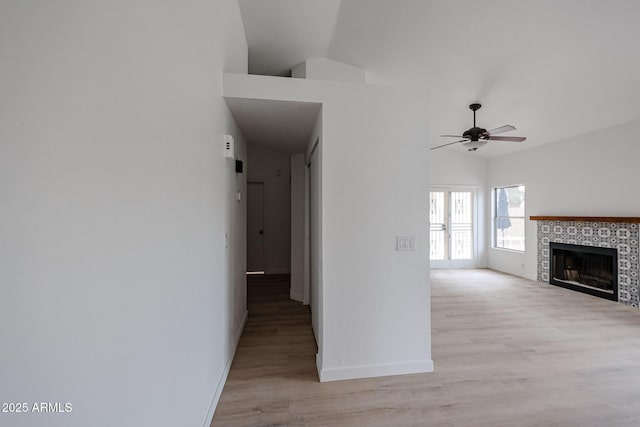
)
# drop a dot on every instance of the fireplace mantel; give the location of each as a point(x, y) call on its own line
point(623, 219)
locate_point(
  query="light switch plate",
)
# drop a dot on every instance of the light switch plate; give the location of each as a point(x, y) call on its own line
point(405, 243)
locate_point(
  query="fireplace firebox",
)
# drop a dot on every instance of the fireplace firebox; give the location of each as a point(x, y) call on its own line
point(588, 269)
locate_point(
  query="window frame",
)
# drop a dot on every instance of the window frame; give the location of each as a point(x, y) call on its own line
point(494, 218)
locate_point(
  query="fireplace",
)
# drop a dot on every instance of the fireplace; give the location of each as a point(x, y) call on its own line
point(622, 234)
point(588, 269)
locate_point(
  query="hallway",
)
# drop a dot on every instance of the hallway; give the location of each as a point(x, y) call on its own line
point(275, 357)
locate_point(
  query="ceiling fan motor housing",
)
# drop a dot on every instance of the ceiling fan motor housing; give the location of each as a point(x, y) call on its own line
point(476, 133)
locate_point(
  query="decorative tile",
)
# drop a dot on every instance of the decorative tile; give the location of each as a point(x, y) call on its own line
point(624, 295)
point(623, 233)
point(623, 237)
point(604, 233)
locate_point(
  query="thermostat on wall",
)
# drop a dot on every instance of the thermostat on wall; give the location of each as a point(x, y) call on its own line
point(229, 147)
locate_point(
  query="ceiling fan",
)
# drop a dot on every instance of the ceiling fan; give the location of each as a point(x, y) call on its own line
point(476, 137)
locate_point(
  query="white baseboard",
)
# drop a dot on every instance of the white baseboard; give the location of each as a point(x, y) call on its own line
point(296, 296)
point(369, 371)
point(225, 373)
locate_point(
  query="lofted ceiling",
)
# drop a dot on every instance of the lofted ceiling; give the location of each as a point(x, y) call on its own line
point(284, 33)
point(554, 69)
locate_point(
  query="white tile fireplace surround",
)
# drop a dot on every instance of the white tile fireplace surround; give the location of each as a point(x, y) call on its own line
point(620, 233)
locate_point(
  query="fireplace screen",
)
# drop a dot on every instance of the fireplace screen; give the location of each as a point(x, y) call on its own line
point(585, 269)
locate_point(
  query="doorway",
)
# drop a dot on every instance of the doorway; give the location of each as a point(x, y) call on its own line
point(255, 227)
point(452, 215)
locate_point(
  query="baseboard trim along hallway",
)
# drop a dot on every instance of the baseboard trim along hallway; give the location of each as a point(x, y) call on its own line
point(371, 371)
point(225, 373)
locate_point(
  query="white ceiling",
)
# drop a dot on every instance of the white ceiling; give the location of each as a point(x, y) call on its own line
point(280, 125)
point(554, 69)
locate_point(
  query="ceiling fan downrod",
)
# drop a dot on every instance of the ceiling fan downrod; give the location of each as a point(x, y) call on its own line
point(474, 108)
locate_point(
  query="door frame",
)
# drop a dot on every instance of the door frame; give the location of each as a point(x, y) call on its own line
point(313, 248)
point(449, 263)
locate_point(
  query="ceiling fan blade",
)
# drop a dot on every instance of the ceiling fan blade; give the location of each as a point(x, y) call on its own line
point(507, 138)
point(501, 129)
point(452, 136)
point(450, 143)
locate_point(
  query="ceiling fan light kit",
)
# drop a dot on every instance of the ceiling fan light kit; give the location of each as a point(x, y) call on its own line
point(476, 137)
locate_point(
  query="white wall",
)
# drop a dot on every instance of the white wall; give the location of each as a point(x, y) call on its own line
point(118, 294)
point(298, 189)
point(262, 166)
point(590, 175)
point(453, 168)
point(375, 177)
point(327, 69)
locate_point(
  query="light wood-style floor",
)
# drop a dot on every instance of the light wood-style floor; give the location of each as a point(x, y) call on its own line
point(507, 352)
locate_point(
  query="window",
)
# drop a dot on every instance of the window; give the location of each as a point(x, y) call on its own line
point(508, 224)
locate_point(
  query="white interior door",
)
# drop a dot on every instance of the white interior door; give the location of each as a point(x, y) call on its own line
point(255, 227)
point(452, 231)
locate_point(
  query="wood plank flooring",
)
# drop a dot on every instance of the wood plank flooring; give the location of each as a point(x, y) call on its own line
point(507, 352)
